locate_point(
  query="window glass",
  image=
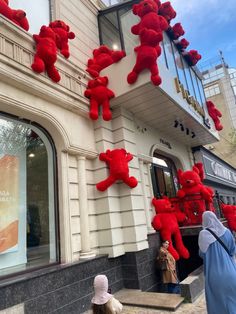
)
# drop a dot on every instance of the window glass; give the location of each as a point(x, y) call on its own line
point(109, 30)
point(180, 67)
point(27, 209)
point(195, 84)
point(189, 79)
point(37, 12)
point(169, 54)
point(201, 90)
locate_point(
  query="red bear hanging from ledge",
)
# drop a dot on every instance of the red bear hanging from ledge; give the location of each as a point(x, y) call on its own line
point(166, 10)
point(215, 114)
point(16, 16)
point(229, 212)
point(99, 95)
point(102, 58)
point(117, 161)
point(166, 220)
point(194, 194)
point(176, 31)
point(192, 57)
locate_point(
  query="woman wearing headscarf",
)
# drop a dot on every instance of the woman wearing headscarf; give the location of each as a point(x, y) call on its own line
point(219, 265)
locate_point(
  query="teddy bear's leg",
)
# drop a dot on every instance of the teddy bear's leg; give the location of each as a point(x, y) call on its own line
point(132, 76)
point(131, 181)
point(93, 112)
point(38, 65)
point(65, 50)
point(156, 79)
point(183, 252)
point(103, 185)
point(166, 235)
point(106, 112)
point(53, 73)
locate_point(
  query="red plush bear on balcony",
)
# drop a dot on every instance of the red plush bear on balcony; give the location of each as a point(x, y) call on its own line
point(192, 57)
point(16, 16)
point(181, 44)
point(102, 58)
point(215, 114)
point(166, 10)
point(166, 220)
point(46, 53)
point(99, 95)
point(62, 31)
point(229, 212)
point(194, 194)
point(151, 22)
point(176, 31)
point(117, 161)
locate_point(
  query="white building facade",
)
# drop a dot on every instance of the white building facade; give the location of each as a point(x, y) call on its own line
point(62, 231)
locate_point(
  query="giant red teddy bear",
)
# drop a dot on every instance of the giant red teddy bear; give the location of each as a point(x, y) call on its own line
point(102, 58)
point(194, 194)
point(176, 31)
point(166, 220)
point(229, 212)
point(46, 53)
point(16, 16)
point(117, 161)
point(62, 31)
point(215, 114)
point(150, 30)
point(99, 95)
point(192, 57)
point(166, 10)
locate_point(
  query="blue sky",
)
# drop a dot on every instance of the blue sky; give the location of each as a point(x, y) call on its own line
point(210, 26)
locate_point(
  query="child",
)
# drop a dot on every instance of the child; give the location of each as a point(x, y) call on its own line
point(104, 302)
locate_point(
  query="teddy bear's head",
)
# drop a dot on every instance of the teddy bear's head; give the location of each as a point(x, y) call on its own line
point(98, 81)
point(47, 32)
point(145, 7)
point(167, 11)
point(162, 205)
point(182, 44)
point(193, 57)
point(177, 30)
point(189, 178)
point(59, 24)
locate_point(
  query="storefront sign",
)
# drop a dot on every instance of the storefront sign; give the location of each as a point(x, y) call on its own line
point(190, 99)
point(219, 171)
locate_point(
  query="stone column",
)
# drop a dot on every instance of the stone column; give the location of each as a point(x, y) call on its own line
point(83, 207)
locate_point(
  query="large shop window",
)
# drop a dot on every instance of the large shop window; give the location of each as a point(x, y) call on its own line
point(164, 176)
point(37, 12)
point(27, 198)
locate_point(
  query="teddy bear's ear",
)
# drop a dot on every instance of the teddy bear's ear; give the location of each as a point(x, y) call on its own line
point(135, 9)
point(105, 79)
point(195, 169)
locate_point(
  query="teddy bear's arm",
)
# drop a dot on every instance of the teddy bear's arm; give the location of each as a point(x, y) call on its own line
point(88, 93)
point(128, 157)
point(71, 35)
point(110, 93)
point(104, 157)
point(181, 193)
point(206, 193)
point(90, 62)
point(36, 38)
point(135, 29)
point(156, 223)
point(117, 55)
point(180, 216)
point(163, 23)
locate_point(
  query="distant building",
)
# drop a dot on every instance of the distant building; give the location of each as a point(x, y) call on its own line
point(220, 87)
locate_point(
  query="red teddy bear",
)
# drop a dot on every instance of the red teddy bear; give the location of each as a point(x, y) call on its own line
point(176, 31)
point(215, 114)
point(16, 16)
point(229, 212)
point(46, 53)
point(192, 57)
point(166, 10)
point(62, 31)
point(99, 94)
point(102, 58)
point(151, 22)
point(181, 44)
point(194, 194)
point(117, 161)
point(166, 220)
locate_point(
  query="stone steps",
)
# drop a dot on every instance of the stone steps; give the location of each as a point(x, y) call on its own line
point(154, 300)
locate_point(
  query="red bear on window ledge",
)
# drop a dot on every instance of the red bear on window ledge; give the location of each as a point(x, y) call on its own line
point(117, 161)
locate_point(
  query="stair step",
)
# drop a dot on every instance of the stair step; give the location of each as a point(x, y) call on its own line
point(162, 301)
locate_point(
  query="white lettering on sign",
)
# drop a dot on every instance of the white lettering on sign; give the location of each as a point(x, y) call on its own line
point(223, 172)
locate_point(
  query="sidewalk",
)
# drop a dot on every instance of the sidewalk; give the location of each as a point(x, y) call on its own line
point(198, 307)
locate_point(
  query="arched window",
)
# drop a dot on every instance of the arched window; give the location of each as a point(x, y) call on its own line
point(164, 176)
point(37, 12)
point(27, 197)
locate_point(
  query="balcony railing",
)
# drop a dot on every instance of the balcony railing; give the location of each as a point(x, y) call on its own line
point(114, 29)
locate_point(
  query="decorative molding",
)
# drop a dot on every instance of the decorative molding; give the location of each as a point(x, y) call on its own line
point(79, 151)
point(146, 159)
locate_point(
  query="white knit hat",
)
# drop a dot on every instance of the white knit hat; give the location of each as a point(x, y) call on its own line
point(100, 288)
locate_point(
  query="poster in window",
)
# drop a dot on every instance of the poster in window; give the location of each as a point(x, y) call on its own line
point(9, 203)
